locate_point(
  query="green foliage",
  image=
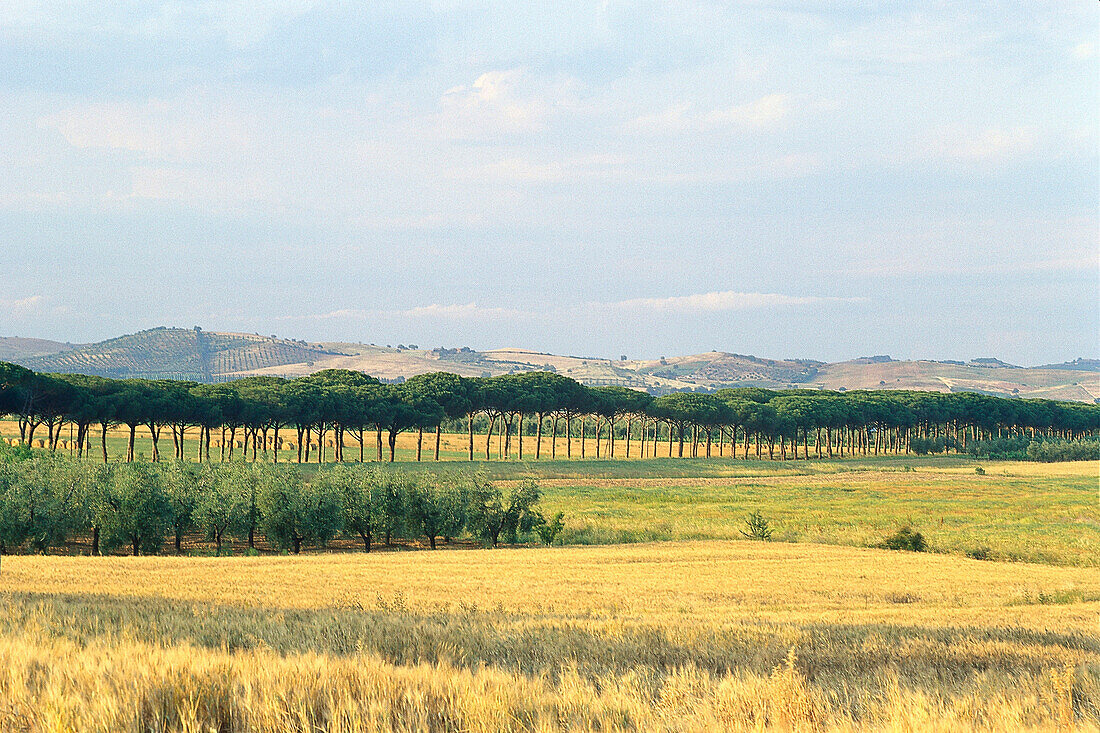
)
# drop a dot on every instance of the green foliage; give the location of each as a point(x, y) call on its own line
point(138, 508)
point(549, 529)
point(924, 446)
point(1050, 451)
point(980, 553)
point(223, 499)
point(294, 512)
point(438, 507)
point(757, 527)
point(494, 514)
point(372, 497)
point(181, 490)
point(905, 539)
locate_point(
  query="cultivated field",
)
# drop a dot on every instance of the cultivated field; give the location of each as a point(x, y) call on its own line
point(708, 632)
point(665, 636)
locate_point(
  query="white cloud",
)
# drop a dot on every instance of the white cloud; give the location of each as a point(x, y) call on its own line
point(726, 300)
point(914, 38)
point(183, 129)
point(1084, 50)
point(432, 311)
point(714, 302)
point(526, 170)
point(756, 114)
point(498, 103)
point(23, 306)
point(989, 144)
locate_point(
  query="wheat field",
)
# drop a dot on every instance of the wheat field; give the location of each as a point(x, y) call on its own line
point(663, 636)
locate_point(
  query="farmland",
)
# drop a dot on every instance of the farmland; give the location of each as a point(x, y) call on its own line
point(664, 636)
point(814, 631)
point(683, 562)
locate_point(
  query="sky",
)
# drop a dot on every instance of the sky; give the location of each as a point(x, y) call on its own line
point(787, 179)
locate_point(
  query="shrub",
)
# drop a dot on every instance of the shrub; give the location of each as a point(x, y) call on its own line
point(979, 470)
point(905, 539)
point(549, 530)
point(1049, 451)
point(924, 446)
point(980, 553)
point(757, 527)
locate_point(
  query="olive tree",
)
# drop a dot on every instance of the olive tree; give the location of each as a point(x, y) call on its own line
point(293, 512)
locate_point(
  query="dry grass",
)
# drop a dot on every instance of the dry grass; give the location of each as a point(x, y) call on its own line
point(673, 636)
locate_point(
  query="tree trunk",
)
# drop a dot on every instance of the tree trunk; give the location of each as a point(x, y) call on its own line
point(519, 437)
point(538, 437)
point(296, 544)
point(95, 540)
point(438, 435)
point(489, 436)
point(419, 442)
point(393, 444)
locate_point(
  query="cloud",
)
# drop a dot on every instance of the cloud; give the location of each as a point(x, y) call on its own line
point(600, 166)
point(23, 306)
point(32, 306)
point(183, 129)
point(506, 102)
point(432, 311)
point(990, 144)
point(908, 39)
point(756, 114)
point(714, 302)
point(1084, 50)
point(726, 300)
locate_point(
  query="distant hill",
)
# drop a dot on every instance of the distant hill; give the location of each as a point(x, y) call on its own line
point(1077, 365)
point(14, 348)
point(176, 353)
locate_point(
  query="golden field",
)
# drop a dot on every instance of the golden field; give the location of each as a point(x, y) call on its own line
point(662, 636)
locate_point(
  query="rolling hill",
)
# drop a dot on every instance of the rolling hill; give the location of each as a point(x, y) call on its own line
point(16, 348)
point(176, 353)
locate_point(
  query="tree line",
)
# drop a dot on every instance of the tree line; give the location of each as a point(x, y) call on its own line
point(47, 500)
point(318, 417)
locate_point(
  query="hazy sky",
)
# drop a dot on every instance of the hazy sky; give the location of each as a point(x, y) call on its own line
point(786, 179)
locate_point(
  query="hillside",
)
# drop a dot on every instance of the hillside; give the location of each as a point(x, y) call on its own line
point(16, 348)
point(177, 353)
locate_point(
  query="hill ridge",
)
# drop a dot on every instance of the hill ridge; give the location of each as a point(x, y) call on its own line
point(215, 356)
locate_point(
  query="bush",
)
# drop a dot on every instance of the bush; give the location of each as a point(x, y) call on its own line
point(1049, 451)
point(980, 553)
point(924, 446)
point(905, 539)
point(757, 527)
point(1046, 450)
point(549, 529)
